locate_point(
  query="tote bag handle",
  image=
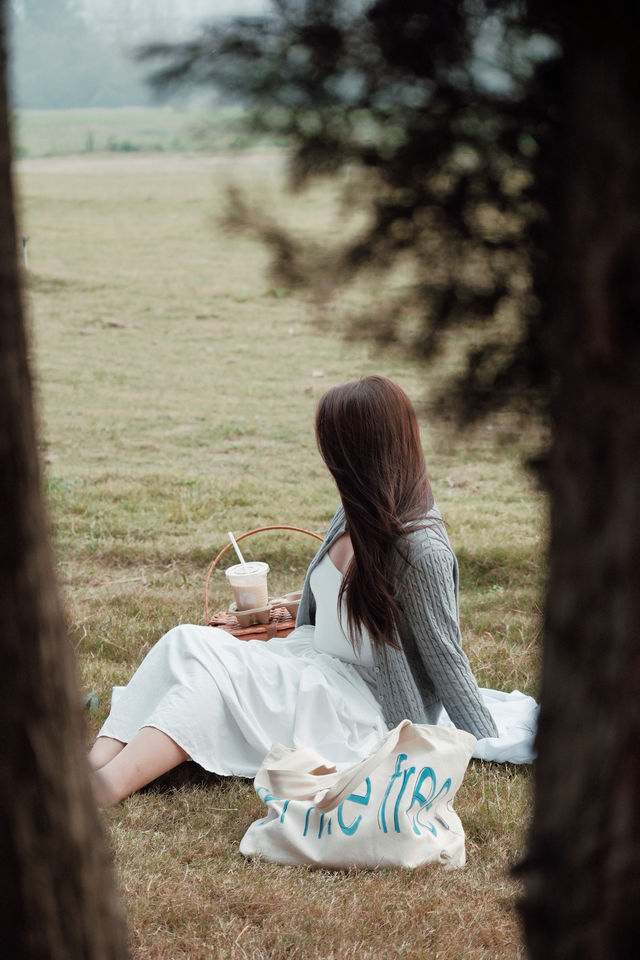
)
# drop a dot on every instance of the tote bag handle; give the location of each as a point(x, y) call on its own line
point(330, 789)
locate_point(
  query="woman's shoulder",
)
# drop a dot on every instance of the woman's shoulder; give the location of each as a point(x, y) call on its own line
point(427, 542)
point(429, 532)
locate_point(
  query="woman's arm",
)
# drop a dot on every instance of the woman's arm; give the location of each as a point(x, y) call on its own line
point(428, 598)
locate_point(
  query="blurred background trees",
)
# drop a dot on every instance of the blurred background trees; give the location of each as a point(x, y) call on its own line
point(59, 61)
point(78, 53)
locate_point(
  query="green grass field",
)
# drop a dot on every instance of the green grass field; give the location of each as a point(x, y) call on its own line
point(177, 389)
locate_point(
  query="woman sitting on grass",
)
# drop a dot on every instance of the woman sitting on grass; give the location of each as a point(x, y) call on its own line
point(377, 631)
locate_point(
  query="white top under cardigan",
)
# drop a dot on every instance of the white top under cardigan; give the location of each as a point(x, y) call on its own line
point(329, 635)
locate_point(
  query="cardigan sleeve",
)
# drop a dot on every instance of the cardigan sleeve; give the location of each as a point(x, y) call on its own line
point(428, 598)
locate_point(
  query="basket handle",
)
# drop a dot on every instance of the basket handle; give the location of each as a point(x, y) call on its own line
point(243, 536)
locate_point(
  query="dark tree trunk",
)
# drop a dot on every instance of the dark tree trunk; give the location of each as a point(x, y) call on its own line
point(57, 892)
point(582, 879)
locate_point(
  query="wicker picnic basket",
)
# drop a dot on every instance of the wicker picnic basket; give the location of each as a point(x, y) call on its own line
point(281, 622)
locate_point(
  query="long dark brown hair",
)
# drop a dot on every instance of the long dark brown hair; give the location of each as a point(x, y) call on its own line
point(368, 436)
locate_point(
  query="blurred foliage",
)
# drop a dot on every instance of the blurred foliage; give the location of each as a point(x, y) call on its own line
point(443, 119)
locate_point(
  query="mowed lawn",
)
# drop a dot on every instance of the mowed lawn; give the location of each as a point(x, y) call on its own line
point(177, 385)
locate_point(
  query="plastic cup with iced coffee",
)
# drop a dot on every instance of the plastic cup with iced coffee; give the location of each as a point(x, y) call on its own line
point(249, 584)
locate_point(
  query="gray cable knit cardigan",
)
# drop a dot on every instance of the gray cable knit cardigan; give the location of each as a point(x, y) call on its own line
point(431, 669)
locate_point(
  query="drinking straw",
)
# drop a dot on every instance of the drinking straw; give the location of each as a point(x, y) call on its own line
point(237, 549)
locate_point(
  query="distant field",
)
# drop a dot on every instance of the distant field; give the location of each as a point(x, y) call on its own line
point(45, 133)
point(177, 386)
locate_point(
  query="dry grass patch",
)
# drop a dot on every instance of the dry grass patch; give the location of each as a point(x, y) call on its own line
point(206, 901)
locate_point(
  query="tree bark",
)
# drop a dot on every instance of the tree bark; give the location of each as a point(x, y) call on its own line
point(582, 876)
point(57, 891)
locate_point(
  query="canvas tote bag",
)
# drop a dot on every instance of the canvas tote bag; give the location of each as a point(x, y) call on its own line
point(393, 808)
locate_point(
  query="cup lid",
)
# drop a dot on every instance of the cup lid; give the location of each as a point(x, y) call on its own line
point(250, 569)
